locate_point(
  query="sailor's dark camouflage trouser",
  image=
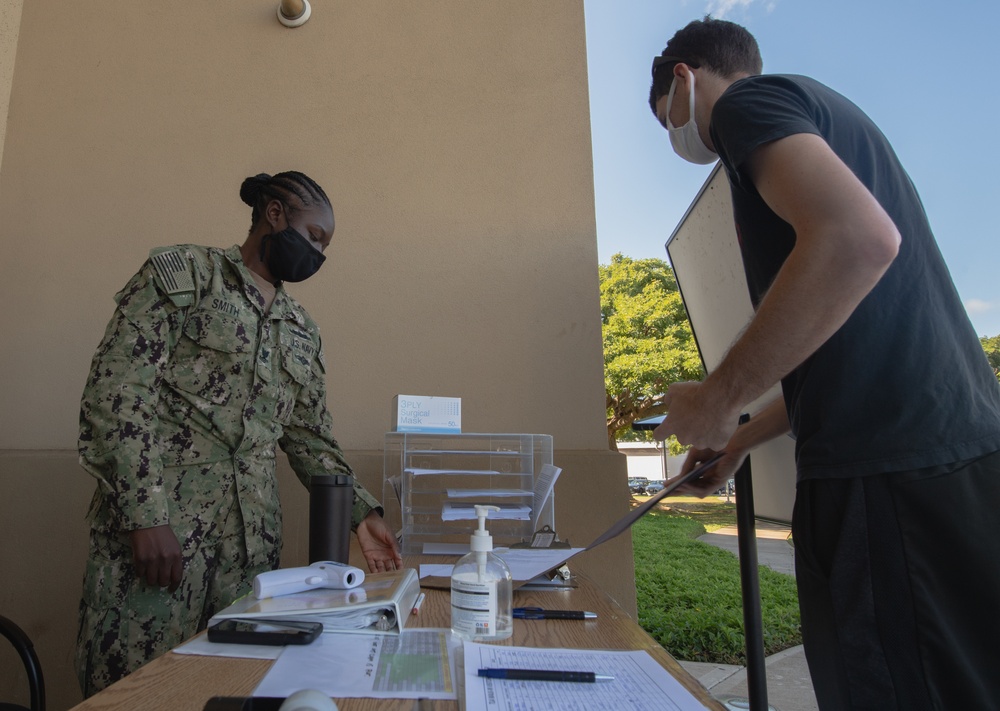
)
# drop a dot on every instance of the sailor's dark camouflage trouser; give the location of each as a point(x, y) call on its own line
point(125, 623)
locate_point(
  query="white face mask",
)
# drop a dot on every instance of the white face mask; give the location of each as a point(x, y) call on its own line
point(685, 139)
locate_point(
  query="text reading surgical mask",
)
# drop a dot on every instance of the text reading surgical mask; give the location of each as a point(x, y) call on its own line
point(685, 139)
point(290, 257)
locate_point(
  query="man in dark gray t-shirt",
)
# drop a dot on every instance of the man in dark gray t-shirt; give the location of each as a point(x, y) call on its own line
point(886, 389)
point(869, 400)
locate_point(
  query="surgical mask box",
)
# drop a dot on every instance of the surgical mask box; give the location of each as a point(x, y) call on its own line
point(419, 413)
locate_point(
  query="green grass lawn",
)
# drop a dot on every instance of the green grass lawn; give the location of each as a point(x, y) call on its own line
point(688, 592)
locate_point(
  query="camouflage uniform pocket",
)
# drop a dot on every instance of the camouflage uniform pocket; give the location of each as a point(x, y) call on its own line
point(294, 376)
point(106, 580)
point(292, 364)
point(298, 351)
point(211, 361)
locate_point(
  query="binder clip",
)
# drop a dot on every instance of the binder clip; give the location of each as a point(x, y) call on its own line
point(544, 537)
point(556, 579)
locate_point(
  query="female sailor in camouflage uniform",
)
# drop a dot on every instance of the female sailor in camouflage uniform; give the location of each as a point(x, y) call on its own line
point(206, 366)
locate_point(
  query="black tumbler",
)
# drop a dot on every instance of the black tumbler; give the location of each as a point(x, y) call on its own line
point(331, 498)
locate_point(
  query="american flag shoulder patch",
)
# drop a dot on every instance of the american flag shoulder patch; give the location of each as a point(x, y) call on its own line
point(173, 271)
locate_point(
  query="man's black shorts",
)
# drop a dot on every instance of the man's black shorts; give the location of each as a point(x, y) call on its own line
point(899, 587)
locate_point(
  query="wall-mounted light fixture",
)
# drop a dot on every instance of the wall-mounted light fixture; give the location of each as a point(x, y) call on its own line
point(293, 13)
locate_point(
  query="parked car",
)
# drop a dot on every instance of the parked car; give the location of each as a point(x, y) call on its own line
point(654, 487)
point(728, 490)
point(637, 484)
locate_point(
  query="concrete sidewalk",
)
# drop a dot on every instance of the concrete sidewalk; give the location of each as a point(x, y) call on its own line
point(789, 687)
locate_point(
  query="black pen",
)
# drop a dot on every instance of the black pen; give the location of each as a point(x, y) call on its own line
point(544, 675)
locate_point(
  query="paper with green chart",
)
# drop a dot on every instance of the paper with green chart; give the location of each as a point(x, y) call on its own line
point(415, 664)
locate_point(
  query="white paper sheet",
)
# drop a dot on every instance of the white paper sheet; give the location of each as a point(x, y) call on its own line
point(524, 563)
point(435, 570)
point(446, 548)
point(482, 493)
point(544, 485)
point(640, 683)
point(467, 512)
point(528, 563)
point(429, 472)
point(416, 664)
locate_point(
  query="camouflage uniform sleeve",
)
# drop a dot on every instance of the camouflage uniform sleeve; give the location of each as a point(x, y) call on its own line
point(311, 448)
point(118, 422)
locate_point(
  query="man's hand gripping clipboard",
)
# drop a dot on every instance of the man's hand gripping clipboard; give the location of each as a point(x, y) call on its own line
point(635, 514)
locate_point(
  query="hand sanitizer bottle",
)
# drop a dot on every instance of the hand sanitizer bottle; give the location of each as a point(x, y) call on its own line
point(481, 589)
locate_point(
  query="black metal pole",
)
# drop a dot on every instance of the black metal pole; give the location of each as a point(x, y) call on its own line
point(753, 627)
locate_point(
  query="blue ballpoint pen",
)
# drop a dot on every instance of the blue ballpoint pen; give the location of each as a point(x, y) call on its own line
point(537, 613)
point(544, 675)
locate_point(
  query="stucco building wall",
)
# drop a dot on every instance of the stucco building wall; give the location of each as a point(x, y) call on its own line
point(454, 141)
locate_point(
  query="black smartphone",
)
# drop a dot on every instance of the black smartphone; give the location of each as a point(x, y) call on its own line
point(272, 632)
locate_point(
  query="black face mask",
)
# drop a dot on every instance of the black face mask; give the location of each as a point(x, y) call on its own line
point(290, 257)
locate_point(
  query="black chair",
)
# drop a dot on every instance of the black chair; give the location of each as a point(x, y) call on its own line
point(32, 667)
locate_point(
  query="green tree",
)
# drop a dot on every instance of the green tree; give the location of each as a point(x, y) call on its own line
point(648, 342)
point(992, 348)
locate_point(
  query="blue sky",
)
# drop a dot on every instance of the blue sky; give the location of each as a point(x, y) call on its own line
point(926, 72)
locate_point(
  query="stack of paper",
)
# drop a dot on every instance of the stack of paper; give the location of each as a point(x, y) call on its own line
point(428, 472)
point(639, 682)
point(462, 512)
point(474, 493)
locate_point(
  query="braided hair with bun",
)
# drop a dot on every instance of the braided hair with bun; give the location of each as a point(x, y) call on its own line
point(292, 189)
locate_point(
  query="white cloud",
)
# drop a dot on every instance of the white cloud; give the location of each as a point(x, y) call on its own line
point(978, 306)
point(720, 8)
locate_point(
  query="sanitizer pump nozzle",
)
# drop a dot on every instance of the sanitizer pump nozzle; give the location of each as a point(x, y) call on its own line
point(482, 542)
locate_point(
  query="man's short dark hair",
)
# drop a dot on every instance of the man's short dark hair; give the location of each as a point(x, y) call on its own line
point(722, 47)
